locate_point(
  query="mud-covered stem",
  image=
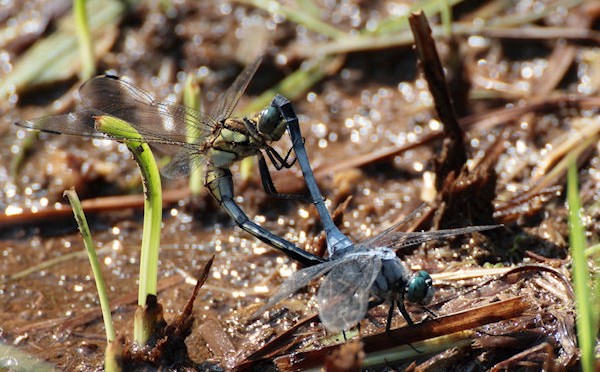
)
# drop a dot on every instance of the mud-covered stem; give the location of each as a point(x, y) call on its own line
point(152, 211)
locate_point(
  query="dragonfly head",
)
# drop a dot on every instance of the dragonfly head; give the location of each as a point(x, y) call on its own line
point(271, 124)
point(420, 288)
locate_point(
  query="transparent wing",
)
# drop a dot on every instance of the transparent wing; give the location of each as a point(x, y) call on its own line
point(395, 226)
point(298, 280)
point(78, 123)
point(158, 122)
point(228, 100)
point(344, 294)
point(181, 164)
point(397, 240)
point(164, 125)
point(82, 123)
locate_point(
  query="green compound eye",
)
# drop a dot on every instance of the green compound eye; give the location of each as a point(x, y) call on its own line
point(420, 288)
point(269, 120)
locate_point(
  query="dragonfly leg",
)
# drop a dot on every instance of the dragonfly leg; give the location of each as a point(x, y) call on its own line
point(388, 323)
point(278, 161)
point(219, 182)
point(390, 315)
point(336, 241)
point(404, 313)
point(269, 186)
point(287, 156)
point(431, 313)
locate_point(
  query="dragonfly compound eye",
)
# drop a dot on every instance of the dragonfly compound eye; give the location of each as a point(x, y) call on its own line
point(420, 288)
point(270, 124)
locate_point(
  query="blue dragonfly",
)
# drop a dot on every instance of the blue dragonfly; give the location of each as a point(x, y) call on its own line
point(368, 269)
point(354, 273)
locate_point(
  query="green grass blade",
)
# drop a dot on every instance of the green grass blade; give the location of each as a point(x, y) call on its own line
point(86, 51)
point(56, 57)
point(592, 251)
point(91, 252)
point(295, 84)
point(586, 332)
point(297, 15)
point(446, 13)
point(191, 99)
point(152, 212)
point(430, 7)
point(14, 359)
point(23, 146)
point(49, 263)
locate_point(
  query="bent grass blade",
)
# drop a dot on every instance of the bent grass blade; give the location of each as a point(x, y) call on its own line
point(152, 212)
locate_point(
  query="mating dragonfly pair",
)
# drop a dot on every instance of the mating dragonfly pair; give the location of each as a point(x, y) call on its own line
point(355, 271)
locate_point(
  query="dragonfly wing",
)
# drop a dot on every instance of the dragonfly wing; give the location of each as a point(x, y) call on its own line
point(158, 122)
point(227, 102)
point(298, 280)
point(411, 215)
point(344, 294)
point(182, 164)
point(78, 123)
point(397, 240)
point(82, 123)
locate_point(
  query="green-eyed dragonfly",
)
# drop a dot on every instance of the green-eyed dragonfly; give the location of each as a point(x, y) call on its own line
point(357, 272)
point(220, 140)
point(369, 269)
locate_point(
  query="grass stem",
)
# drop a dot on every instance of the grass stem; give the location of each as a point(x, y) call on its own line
point(86, 50)
point(91, 253)
point(586, 319)
point(152, 213)
point(297, 15)
point(191, 99)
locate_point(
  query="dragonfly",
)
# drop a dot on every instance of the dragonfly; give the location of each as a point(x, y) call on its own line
point(369, 269)
point(220, 140)
point(355, 272)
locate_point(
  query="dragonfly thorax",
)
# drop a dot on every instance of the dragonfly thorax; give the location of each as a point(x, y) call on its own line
point(392, 280)
point(395, 283)
point(231, 142)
